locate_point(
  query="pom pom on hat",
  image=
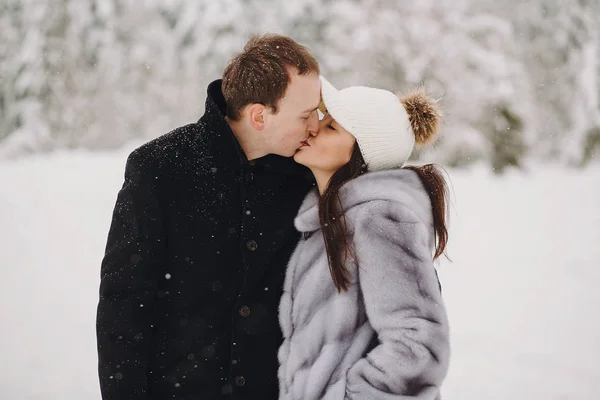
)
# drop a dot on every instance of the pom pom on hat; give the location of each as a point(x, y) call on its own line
point(424, 116)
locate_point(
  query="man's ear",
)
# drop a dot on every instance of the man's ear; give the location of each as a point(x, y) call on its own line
point(256, 116)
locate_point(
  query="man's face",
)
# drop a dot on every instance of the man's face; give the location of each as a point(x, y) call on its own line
point(296, 116)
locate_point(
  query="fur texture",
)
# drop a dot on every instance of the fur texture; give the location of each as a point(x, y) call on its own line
point(424, 116)
point(387, 336)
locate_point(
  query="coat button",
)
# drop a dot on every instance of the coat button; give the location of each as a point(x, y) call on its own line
point(244, 311)
point(251, 245)
point(240, 381)
point(249, 177)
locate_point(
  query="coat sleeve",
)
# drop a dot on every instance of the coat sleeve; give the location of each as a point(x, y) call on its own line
point(404, 306)
point(132, 267)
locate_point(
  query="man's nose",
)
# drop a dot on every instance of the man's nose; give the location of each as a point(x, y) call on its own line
point(313, 124)
point(314, 133)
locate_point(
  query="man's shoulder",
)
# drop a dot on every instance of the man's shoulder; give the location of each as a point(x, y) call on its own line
point(166, 150)
point(172, 142)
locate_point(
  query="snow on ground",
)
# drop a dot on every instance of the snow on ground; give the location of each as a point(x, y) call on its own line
point(522, 290)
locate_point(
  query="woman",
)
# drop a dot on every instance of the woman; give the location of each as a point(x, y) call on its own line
point(362, 313)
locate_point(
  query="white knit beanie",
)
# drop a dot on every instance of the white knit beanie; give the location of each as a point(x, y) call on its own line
point(386, 127)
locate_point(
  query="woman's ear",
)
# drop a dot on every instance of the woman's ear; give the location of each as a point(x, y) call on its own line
point(256, 115)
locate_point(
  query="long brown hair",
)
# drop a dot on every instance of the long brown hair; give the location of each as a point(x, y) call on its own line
point(333, 223)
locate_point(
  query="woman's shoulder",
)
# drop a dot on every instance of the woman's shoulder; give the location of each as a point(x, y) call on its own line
point(394, 194)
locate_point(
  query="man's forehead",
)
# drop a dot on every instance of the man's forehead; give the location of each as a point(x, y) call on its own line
point(305, 93)
point(305, 84)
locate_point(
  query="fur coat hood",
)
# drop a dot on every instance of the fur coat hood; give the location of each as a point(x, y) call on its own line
point(387, 337)
point(401, 186)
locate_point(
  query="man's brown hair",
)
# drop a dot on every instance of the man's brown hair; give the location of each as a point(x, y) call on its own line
point(259, 74)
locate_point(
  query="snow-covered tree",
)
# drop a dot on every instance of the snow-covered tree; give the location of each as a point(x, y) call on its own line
point(516, 79)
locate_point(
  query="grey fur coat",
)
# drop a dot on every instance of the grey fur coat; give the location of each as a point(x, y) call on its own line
point(387, 336)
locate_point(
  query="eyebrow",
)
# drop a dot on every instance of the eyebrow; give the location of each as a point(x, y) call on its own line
point(311, 109)
point(326, 117)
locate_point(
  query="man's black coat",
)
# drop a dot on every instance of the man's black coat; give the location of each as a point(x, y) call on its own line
point(194, 267)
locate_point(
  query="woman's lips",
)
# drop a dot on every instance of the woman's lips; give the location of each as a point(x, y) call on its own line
point(304, 144)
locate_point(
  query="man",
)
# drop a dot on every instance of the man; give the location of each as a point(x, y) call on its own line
point(201, 234)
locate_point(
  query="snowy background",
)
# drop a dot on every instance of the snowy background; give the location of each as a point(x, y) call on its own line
point(82, 82)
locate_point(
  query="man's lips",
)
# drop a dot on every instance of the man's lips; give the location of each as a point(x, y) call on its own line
point(304, 144)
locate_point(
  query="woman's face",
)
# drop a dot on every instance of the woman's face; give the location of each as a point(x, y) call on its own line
point(329, 149)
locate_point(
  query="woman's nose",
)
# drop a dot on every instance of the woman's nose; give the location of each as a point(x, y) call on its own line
point(323, 123)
